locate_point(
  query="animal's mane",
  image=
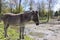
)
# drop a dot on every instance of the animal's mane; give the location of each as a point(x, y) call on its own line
point(11, 14)
point(17, 14)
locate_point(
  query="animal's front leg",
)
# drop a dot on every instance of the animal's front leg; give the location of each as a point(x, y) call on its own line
point(22, 32)
point(5, 30)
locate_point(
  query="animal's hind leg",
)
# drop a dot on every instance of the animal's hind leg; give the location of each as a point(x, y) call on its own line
point(5, 30)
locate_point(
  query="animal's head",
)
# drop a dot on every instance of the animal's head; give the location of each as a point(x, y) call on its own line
point(35, 17)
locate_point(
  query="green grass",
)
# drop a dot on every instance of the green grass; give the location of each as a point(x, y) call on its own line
point(12, 34)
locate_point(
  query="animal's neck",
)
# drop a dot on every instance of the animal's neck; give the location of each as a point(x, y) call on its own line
point(31, 17)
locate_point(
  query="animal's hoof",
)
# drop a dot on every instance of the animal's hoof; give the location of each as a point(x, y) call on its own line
point(20, 39)
point(17, 39)
point(8, 38)
point(5, 36)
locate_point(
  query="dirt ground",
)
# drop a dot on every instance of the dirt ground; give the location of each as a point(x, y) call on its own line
point(48, 31)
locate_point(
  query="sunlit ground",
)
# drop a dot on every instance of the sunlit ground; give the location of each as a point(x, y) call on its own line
point(12, 34)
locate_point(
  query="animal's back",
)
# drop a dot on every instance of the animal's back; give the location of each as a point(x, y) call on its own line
point(16, 19)
point(12, 19)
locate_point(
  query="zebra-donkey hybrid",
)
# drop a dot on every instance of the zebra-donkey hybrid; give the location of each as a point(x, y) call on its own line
point(20, 20)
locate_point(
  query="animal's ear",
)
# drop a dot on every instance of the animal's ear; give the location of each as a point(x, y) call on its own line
point(36, 11)
point(32, 12)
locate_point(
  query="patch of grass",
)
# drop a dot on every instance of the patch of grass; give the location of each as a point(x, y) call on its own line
point(12, 34)
point(42, 18)
point(28, 38)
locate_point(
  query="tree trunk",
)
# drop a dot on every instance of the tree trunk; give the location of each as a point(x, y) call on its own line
point(19, 6)
point(0, 5)
point(47, 16)
point(31, 3)
point(10, 7)
point(49, 9)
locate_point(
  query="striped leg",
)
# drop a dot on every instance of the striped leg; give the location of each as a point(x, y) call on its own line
point(21, 36)
point(5, 30)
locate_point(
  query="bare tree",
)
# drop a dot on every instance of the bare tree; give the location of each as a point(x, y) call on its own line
point(31, 3)
point(10, 6)
point(25, 3)
point(20, 5)
point(0, 5)
point(17, 5)
point(39, 8)
point(50, 5)
point(43, 7)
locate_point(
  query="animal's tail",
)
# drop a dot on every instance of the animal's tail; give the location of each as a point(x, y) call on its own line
point(1, 17)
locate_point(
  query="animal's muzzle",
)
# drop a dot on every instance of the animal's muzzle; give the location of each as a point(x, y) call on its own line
point(37, 23)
